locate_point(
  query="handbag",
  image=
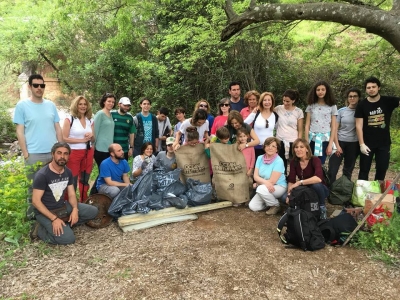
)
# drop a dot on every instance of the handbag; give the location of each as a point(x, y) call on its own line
point(61, 213)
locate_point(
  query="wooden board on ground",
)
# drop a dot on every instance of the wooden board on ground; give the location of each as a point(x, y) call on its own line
point(169, 212)
point(158, 222)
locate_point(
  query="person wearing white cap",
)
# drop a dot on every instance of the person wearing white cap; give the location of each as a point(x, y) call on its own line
point(166, 159)
point(124, 129)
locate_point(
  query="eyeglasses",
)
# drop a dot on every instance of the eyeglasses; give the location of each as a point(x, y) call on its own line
point(224, 104)
point(203, 105)
point(266, 124)
point(352, 96)
point(36, 85)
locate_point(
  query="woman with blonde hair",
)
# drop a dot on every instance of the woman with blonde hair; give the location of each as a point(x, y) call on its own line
point(263, 120)
point(78, 133)
point(203, 104)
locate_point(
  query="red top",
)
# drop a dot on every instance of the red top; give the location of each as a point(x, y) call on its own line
point(219, 121)
point(314, 168)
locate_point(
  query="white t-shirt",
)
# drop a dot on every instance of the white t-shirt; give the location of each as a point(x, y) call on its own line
point(260, 126)
point(200, 129)
point(321, 117)
point(286, 128)
point(78, 132)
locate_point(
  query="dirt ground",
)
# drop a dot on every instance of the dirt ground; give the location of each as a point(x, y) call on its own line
point(231, 253)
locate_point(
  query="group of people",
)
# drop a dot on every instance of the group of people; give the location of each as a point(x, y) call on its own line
point(269, 137)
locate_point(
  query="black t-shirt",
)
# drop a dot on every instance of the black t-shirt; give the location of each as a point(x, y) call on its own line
point(376, 120)
point(53, 185)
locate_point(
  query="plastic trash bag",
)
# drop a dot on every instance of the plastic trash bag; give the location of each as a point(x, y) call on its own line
point(132, 198)
point(154, 201)
point(174, 201)
point(361, 188)
point(198, 193)
point(177, 188)
point(162, 179)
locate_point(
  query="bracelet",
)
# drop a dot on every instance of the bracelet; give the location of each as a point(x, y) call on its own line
point(54, 219)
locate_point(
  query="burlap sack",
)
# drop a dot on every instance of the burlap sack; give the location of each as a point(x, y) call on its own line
point(193, 162)
point(229, 169)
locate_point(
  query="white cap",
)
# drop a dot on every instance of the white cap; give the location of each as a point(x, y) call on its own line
point(170, 140)
point(125, 101)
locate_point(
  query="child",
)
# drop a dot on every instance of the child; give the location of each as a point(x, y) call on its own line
point(192, 136)
point(223, 136)
point(243, 136)
point(321, 120)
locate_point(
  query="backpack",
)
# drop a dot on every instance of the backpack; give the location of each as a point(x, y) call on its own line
point(258, 112)
point(337, 229)
point(341, 191)
point(305, 198)
point(301, 230)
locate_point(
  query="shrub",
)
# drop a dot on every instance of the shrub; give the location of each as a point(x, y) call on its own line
point(7, 128)
point(14, 226)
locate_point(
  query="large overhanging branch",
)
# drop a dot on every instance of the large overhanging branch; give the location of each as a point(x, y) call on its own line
point(380, 22)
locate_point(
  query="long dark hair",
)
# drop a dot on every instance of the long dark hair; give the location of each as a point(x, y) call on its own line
point(312, 94)
point(199, 114)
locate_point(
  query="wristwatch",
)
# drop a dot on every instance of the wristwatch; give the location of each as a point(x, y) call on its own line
point(301, 182)
point(247, 145)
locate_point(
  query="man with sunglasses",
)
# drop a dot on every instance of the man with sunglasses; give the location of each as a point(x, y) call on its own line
point(38, 129)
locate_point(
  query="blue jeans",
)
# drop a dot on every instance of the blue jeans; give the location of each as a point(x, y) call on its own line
point(321, 190)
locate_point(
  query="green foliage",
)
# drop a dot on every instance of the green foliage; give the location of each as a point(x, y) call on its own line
point(383, 240)
point(14, 226)
point(7, 127)
point(395, 150)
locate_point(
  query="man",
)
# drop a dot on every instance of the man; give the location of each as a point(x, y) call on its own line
point(373, 129)
point(49, 185)
point(113, 177)
point(236, 102)
point(180, 116)
point(164, 128)
point(124, 130)
point(146, 127)
point(37, 127)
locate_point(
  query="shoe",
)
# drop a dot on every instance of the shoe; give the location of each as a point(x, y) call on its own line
point(273, 210)
point(323, 215)
point(33, 234)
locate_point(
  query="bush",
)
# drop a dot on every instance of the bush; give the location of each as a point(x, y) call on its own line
point(14, 227)
point(7, 127)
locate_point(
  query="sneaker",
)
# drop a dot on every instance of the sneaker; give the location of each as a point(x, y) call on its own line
point(34, 231)
point(323, 215)
point(273, 210)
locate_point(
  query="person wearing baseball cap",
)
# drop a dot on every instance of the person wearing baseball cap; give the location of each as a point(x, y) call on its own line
point(166, 159)
point(124, 127)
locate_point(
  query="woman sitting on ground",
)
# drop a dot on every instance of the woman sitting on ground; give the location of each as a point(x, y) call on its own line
point(143, 163)
point(308, 169)
point(269, 177)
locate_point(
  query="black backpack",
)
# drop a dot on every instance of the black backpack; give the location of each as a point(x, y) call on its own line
point(305, 198)
point(337, 229)
point(301, 230)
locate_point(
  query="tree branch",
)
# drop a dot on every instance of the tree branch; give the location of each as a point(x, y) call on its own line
point(396, 5)
point(54, 67)
point(230, 13)
point(330, 36)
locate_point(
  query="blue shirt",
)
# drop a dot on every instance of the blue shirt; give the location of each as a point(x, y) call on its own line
point(108, 168)
point(39, 124)
point(265, 170)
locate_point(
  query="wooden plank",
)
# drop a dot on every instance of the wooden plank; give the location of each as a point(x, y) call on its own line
point(158, 222)
point(169, 212)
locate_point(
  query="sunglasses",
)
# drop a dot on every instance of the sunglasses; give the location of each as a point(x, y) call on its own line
point(225, 104)
point(266, 124)
point(203, 105)
point(36, 85)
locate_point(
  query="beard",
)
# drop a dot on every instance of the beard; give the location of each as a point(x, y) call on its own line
point(60, 162)
point(373, 96)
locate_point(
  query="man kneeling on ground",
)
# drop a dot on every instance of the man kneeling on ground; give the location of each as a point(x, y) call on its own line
point(54, 216)
point(113, 177)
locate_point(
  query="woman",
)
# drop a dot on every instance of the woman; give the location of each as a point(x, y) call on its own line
point(264, 120)
point(321, 119)
point(346, 138)
point(143, 163)
point(103, 128)
point(78, 133)
point(235, 121)
point(290, 125)
point(308, 169)
point(167, 159)
point(199, 120)
point(223, 112)
point(203, 104)
point(251, 99)
point(271, 182)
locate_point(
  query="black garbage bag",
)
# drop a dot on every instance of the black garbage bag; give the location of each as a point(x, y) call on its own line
point(198, 193)
point(163, 179)
point(177, 188)
point(132, 198)
point(154, 201)
point(176, 202)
